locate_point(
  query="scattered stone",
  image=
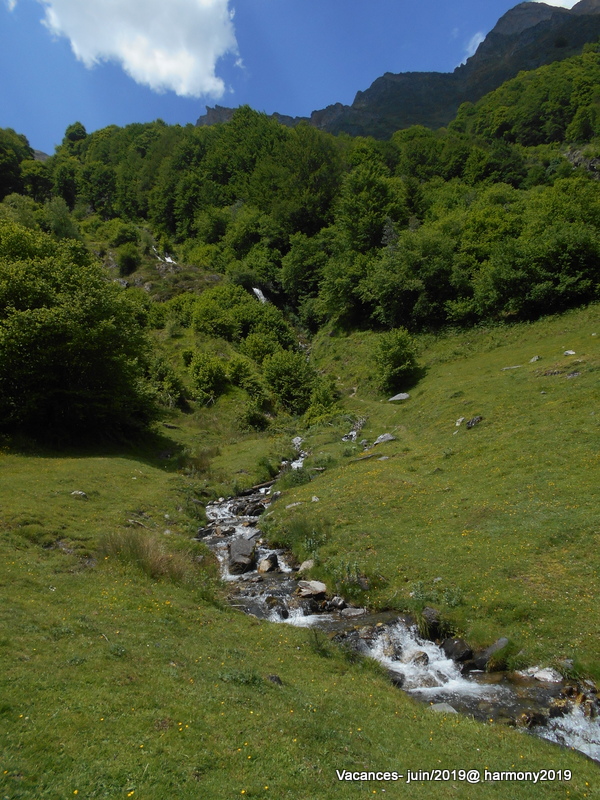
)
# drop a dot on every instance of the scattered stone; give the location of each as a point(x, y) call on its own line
point(518, 366)
point(80, 495)
point(401, 396)
point(241, 556)
point(384, 458)
point(552, 372)
point(570, 352)
point(459, 422)
point(292, 505)
point(353, 612)
point(314, 499)
point(311, 588)
point(275, 679)
point(350, 437)
point(364, 442)
point(546, 674)
point(457, 649)
point(396, 678)
point(297, 441)
point(420, 658)
point(573, 374)
point(443, 708)
point(306, 565)
point(385, 437)
point(431, 617)
point(534, 359)
point(337, 603)
point(269, 564)
point(474, 421)
point(481, 659)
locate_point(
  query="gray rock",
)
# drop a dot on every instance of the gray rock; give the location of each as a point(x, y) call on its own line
point(534, 359)
point(401, 396)
point(269, 564)
point(457, 649)
point(80, 495)
point(241, 556)
point(518, 366)
point(548, 675)
point(350, 437)
point(311, 588)
point(353, 612)
point(314, 499)
point(481, 659)
point(570, 352)
point(474, 421)
point(459, 422)
point(420, 658)
point(431, 616)
point(385, 437)
point(443, 708)
point(306, 565)
point(275, 679)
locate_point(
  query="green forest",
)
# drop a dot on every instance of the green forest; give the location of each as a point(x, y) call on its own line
point(494, 219)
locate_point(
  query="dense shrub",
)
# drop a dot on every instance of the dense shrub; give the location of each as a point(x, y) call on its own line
point(72, 345)
point(290, 377)
point(209, 376)
point(395, 358)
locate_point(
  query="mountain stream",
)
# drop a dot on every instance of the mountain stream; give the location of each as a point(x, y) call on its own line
point(264, 583)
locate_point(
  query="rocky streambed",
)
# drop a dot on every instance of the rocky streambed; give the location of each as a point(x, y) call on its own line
point(267, 583)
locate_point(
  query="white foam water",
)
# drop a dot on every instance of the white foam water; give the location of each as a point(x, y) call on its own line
point(574, 730)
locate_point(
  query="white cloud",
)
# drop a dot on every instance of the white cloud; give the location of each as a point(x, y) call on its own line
point(561, 3)
point(473, 44)
point(163, 44)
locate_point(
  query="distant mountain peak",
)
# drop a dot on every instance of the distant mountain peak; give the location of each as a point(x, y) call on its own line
point(528, 36)
point(525, 15)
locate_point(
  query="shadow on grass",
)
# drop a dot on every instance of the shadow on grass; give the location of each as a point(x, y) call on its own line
point(154, 447)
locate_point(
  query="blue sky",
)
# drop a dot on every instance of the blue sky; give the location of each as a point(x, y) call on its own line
point(106, 62)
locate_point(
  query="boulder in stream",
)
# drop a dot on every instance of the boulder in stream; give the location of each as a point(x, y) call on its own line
point(269, 564)
point(457, 649)
point(241, 556)
point(311, 588)
point(481, 660)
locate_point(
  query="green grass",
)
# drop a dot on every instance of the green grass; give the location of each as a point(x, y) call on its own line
point(117, 685)
point(125, 674)
point(505, 513)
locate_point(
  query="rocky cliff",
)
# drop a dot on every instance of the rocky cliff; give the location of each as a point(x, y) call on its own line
point(526, 37)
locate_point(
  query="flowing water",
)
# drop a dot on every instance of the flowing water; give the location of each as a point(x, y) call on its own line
point(559, 712)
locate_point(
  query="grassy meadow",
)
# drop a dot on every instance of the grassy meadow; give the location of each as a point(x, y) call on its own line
point(125, 673)
point(505, 513)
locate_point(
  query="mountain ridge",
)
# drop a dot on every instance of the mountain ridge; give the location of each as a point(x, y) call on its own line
point(526, 37)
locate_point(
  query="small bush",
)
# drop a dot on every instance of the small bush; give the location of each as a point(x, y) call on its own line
point(252, 418)
point(258, 346)
point(210, 379)
point(128, 258)
point(290, 377)
point(395, 358)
